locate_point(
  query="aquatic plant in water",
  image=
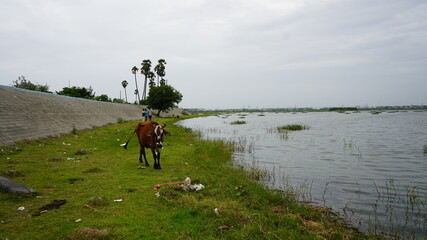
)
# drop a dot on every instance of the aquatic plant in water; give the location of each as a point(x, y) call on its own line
point(292, 127)
point(238, 122)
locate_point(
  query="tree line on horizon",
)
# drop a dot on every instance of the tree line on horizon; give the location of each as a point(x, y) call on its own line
point(161, 96)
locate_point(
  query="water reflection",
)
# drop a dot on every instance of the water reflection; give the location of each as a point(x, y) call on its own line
point(369, 167)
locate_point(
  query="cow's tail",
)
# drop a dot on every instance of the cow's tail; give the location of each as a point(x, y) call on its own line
point(126, 144)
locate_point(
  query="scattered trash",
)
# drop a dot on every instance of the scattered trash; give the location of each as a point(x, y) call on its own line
point(54, 205)
point(216, 211)
point(71, 159)
point(123, 144)
point(118, 140)
point(186, 185)
point(66, 144)
point(164, 184)
point(157, 194)
point(78, 220)
point(22, 208)
point(141, 167)
point(224, 228)
point(118, 200)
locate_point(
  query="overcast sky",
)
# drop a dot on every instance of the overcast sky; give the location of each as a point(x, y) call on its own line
point(225, 54)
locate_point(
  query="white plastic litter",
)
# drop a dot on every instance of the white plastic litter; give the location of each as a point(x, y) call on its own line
point(121, 145)
point(21, 208)
point(188, 187)
point(216, 211)
point(118, 200)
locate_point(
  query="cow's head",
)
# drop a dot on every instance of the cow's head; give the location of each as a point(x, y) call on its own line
point(159, 131)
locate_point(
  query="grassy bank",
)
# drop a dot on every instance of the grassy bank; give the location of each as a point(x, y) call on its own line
point(91, 180)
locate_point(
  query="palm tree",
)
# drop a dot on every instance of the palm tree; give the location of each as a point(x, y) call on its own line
point(160, 69)
point(151, 76)
point(145, 69)
point(134, 71)
point(125, 84)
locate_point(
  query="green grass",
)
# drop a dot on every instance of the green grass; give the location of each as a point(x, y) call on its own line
point(90, 183)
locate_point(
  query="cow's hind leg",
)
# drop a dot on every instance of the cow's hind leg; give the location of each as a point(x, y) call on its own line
point(142, 153)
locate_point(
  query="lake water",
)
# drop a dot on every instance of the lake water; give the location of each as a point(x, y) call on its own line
point(371, 168)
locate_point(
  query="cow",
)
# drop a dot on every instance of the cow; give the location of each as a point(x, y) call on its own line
point(150, 135)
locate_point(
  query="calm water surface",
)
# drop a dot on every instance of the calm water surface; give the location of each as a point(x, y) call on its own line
point(369, 167)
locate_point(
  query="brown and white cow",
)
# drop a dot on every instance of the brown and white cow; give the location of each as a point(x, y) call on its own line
point(150, 135)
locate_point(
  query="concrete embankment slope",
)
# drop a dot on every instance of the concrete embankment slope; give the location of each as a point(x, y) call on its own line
point(31, 115)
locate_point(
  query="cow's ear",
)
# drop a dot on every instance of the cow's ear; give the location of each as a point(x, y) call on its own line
point(166, 133)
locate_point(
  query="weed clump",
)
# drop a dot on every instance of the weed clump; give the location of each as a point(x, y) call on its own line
point(13, 173)
point(98, 201)
point(93, 170)
point(120, 120)
point(82, 152)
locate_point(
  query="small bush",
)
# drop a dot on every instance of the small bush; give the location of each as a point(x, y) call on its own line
point(74, 130)
point(120, 120)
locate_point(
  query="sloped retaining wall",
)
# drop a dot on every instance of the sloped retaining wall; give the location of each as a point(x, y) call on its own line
point(31, 115)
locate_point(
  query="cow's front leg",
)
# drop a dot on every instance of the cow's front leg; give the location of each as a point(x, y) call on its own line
point(158, 160)
point(156, 156)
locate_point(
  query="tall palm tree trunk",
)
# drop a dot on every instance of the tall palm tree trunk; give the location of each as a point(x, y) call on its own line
point(136, 84)
point(144, 94)
point(126, 96)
